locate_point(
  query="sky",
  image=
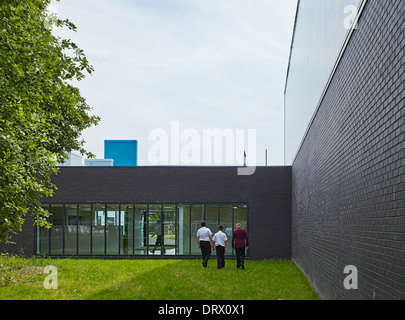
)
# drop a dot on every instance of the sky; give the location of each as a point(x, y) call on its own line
point(167, 65)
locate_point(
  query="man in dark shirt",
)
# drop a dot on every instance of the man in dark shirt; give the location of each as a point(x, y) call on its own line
point(240, 242)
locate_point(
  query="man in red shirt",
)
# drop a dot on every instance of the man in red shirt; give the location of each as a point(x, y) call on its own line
point(240, 242)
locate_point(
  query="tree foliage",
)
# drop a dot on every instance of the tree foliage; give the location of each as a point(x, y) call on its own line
point(42, 114)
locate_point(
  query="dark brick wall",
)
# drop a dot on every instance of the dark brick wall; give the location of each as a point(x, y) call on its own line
point(268, 193)
point(348, 180)
point(23, 241)
point(270, 213)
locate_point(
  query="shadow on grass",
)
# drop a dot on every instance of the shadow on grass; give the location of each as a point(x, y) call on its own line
point(188, 280)
point(94, 279)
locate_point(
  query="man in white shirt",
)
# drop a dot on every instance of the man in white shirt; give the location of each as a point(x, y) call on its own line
point(219, 243)
point(204, 238)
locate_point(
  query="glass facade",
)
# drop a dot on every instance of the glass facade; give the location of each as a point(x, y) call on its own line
point(319, 35)
point(84, 229)
point(134, 229)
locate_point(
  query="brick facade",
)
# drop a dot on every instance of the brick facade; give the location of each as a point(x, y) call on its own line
point(348, 180)
point(268, 193)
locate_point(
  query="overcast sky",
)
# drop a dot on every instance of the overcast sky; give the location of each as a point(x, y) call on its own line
point(205, 63)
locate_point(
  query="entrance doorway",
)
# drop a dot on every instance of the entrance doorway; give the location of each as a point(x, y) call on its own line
point(161, 224)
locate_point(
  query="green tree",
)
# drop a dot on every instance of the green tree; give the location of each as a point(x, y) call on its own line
point(42, 113)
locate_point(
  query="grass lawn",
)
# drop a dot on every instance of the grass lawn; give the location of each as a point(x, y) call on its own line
point(94, 279)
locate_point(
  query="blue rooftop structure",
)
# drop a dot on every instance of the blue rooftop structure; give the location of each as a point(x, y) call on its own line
point(124, 152)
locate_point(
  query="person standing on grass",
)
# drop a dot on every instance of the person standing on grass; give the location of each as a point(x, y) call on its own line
point(219, 242)
point(204, 240)
point(240, 243)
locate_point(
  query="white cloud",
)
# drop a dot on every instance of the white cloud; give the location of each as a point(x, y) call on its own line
point(207, 63)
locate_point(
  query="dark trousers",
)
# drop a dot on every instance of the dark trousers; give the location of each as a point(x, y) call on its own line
point(240, 257)
point(158, 244)
point(205, 251)
point(220, 256)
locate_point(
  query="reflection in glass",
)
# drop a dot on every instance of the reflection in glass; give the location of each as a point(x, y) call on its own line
point(211, 217)
point(127, 229)
point(140, 244)
point(155, 228)
point(98, 229)
point(112, 229)
point(139, 229)
point(84, 229)
point(57, 229)
point(183, 214)
point(71, 229)
point(240, 215)
point(225, 213)
point(197, 215)
point(169, 229)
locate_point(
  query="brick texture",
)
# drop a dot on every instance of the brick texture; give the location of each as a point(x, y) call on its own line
point(23, 242)
point(348, 180)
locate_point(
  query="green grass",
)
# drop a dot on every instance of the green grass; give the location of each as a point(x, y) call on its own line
point(94, 279)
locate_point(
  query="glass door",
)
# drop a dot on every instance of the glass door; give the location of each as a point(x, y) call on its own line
point(155, 227)
point(183, 229)
point(162, 230)
point(140, 230)
point(170, 230)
